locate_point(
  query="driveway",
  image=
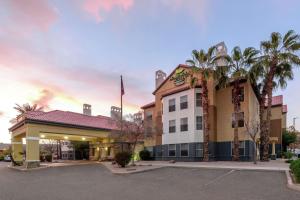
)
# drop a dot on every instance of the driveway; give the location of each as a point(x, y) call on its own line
point(95, 182)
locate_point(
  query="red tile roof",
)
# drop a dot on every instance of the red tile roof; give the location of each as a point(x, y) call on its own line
point(276, 100)
point(149, 105)
point(72, 118)
point(284, 109)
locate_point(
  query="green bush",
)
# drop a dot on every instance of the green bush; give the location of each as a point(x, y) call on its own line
point(288, 155)
point(1, 158)
point(145, 154)
point(48, 158)
point(295, 168)
point(123, 158)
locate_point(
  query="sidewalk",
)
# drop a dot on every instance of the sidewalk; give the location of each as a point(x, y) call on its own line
point(274, 165)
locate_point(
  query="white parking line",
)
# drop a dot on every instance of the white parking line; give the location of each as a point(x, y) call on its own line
point(219, 177)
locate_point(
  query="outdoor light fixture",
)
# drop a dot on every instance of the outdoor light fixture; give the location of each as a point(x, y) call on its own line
point(66, 137)
point(106, 148)
point(83, 138)
point(42, 136)
point(98, 149)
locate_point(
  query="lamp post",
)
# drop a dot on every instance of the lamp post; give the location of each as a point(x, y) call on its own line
point(294, 122)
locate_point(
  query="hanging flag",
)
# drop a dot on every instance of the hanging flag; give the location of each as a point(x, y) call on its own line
point(122, 87)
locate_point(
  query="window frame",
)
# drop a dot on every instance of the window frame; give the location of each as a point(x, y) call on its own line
point(241, 122)
point(200, 148)
point(185, 149)
point(183, 125)
point(200, 124)
point(172, 108)
point(172, 126)
point(184, 104)
point(172, 150)
point(243, 147)
point(198, 100)
point(242, 95)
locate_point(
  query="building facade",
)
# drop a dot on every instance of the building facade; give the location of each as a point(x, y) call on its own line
point(175, 119)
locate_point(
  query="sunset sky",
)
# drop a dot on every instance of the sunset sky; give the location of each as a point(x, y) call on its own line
point(63, 53)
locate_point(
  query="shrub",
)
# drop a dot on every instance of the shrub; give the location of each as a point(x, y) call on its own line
point(288, 155)
point(123, 158)
point(145, 154)
point(48, 158)
point(295, 168)
point(1, 158)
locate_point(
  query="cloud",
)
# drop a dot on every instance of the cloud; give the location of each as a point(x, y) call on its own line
point(97, 8)
point(24, 16)
point(46, 96)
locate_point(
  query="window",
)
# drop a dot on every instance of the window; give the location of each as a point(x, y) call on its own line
point(198, 100)
point(239, 119)
point(172, 126)
point(184, 124)
point(241, 148)
point(172, 150)
point(184, 150)
point(172, 106)
point(198, 150)
point(184, 102)
point(241, 95)
point(149, 116)
point(199, 122)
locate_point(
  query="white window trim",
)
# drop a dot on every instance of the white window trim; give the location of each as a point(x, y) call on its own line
point(201, 149)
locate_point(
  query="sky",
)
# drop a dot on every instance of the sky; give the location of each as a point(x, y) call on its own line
point(63, 53)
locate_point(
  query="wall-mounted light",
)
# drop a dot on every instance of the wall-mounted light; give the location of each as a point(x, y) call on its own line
point(66, 137)
point(98, 149)
point(83, 138)
point(42, 136)
point(106, 148)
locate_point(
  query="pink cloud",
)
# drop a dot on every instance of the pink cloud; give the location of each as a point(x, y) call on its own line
point(46, 96)
point(30, 14)
point(97, 7)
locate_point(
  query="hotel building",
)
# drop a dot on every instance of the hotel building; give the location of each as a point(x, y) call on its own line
point(175, 119)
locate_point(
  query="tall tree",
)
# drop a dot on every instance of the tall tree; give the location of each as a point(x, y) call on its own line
point(279, 56)
point(203, 63)
point(235, 70)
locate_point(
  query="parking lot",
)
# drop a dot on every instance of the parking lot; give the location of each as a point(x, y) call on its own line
point(96, 182)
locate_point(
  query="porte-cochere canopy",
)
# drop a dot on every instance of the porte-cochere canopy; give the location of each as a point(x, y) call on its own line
point(59, 125)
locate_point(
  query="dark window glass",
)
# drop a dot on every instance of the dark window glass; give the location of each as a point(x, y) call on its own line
point(241, 148)
point(198, 100)
point(172, 126)
point(239, 118)
point(172, 106)
point(241, 95)
point(184, 124)
point(184, 102)
point(184, 150)
point(172, 150)
point(198, 150)
point(199, 123)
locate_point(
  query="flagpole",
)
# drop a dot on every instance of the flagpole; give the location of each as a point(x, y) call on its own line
point(122, 109)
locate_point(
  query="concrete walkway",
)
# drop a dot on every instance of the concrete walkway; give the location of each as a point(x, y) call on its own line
point(274, 165)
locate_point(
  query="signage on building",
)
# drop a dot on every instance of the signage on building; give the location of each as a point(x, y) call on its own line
point(179, 77)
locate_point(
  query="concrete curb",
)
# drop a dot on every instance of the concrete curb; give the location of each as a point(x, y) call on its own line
point(290, 182)
point(126, 172)
point(223, 167)
point(48, 166)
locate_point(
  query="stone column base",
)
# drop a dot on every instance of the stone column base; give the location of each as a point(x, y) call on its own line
point(32, 164)
point(273, 157)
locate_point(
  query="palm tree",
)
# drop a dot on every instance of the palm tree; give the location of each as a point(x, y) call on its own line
point(202, 63)
point(279, 56)
point(236, 69)
point(27, 107)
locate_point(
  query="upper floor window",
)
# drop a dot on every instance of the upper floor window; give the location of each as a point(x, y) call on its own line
point(149, 115)
point(199, 123)
point(239, 118)
point(184, 124)
point(172, 126)
point(172, 106)
point(184, 102)
point(198, 100)
point(240, 96)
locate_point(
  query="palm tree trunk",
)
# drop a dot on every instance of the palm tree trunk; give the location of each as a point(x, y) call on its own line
point(236, 101)
point(262, 123)
point(205, 120)
point(269, 91)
